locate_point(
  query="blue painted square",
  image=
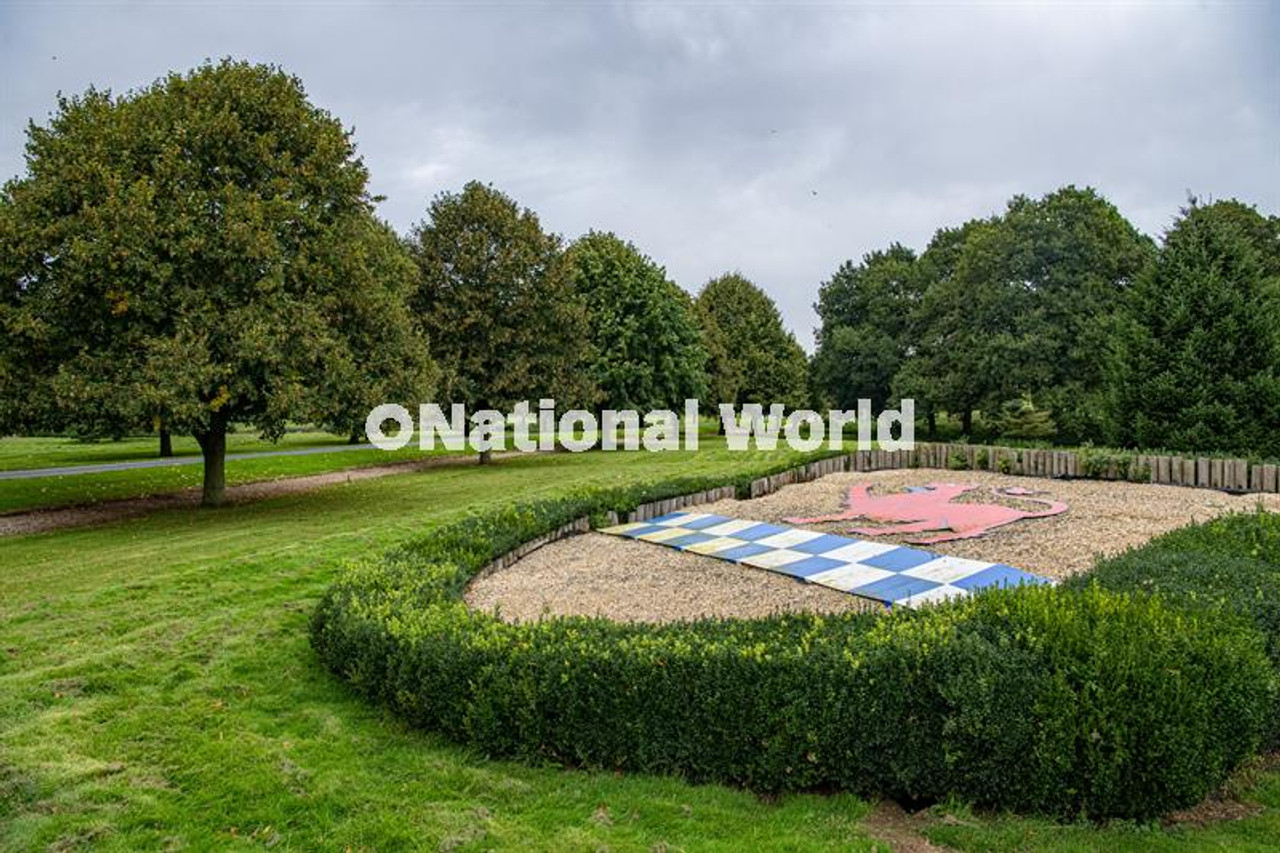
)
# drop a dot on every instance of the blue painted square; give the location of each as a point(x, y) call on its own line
point(759, 531)
point(810, 566)
point(895, 588)
point(671, 516)
point(743, 551)
point(824, 543)
point(688, 539)
point(899, 559)
point(998, 576)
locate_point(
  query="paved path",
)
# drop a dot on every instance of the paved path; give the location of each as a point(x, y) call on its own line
point(35, 473)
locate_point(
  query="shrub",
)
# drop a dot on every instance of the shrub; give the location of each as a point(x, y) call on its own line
point(1101, 463)
point(1021, 418)
point(1228, 565)
point(1063, 701)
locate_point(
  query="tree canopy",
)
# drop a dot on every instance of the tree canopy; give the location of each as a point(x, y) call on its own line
point(386, 358)
point(754, 358)
point(496, 297)
point(864, 337)
point(1012, 311)
point(647, 351)
point(1198, 355)
point(189, 252)
point(1076, 257)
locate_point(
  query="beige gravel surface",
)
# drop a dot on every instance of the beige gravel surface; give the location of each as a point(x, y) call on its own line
point(596, 574)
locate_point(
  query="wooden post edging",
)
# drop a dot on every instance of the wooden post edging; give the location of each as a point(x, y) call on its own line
point(578, 525)
point(644, 512)
point(1231, 475)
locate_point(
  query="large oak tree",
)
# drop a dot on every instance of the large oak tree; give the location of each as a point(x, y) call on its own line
point(192, 252)
point(1023, 304)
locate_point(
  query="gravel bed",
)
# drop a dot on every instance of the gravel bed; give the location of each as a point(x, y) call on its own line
point(622, 579)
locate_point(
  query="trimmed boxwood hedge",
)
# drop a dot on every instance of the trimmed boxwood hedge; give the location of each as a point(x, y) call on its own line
point(1228, 565)
point(1070, 701)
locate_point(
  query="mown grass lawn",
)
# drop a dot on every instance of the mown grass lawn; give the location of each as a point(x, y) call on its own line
point(79, 489)
point(157, 690)
point(87, 488)
point(21, 452)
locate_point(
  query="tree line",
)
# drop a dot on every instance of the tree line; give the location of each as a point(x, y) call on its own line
point(1058, 320)
point(204, 252)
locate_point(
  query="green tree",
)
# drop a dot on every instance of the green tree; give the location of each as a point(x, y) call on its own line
point(384, 357)
point(965, 352)
point(723, 373)
point(170, 254)
point(647, 351)
point(754, 355)
point(496, 297)
point(1076, 257)
point(1198, 358)
point(865, 310)
point(1021, 305)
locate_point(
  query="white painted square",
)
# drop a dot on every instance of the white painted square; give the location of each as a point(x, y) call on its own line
point(715, 546)
point(774, 559)
point(622, 529)
point(664, 535)
point(859, 551)
point(730, 527)
point(930, 596)
point(947, 569)
point(681, 519)
point(850, 577)
point(789, 538)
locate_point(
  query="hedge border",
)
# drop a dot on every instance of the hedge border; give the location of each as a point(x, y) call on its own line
point(398, 631)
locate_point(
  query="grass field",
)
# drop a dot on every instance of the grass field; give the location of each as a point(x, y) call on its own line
point(73, 489)
point(86, 488)
point(157, 691)
point(55, 451)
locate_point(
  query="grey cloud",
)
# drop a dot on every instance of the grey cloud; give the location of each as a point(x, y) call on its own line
point(778, 140)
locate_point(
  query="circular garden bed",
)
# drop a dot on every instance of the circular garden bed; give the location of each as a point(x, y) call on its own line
point(1095, 698)
point(629, 581)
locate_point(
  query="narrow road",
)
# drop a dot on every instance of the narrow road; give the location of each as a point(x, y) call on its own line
point(102, 468)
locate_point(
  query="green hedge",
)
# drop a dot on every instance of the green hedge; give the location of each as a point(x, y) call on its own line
point(1075, 701)
point(1229, 565)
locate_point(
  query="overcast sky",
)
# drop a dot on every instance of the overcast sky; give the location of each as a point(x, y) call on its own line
point(778, 140)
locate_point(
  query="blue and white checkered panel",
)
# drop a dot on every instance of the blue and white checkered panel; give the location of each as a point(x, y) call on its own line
point(890, 573)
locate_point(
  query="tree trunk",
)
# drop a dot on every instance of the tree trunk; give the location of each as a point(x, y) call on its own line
point(354, 438)
point(933, 423)
point(486, 456)
point(213, 444)
point(166, 443)
point(966, 423)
